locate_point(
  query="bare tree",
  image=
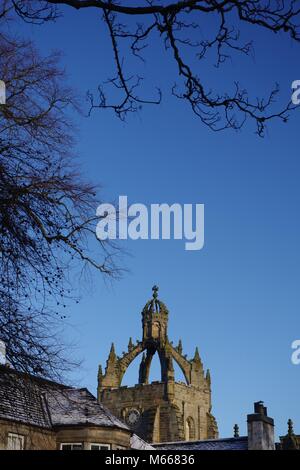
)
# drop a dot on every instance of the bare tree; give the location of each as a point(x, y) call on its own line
point(47, 212)
point(132, 25)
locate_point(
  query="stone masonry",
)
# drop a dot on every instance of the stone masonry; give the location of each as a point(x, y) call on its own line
point(162, 411)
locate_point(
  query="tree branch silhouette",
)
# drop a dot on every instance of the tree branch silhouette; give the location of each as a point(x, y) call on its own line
point(134, 24)
point(47, 210)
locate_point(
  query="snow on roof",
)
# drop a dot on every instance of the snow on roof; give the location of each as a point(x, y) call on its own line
point(138, 444)
point(78, 406)
point(32, 400)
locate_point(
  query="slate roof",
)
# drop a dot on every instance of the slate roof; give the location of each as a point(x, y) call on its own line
point(22, 400)
point(72, 407)
point(138, 443)
point(39, 402)
point(43, 403)
point(232, 443)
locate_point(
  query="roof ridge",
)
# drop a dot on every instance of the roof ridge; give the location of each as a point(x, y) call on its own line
point(235, 439)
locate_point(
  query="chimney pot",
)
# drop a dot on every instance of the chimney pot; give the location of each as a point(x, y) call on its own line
point(260, 429)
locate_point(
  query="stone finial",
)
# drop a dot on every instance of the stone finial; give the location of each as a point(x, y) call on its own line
point(197, 356)
point(130, 345)
point(208, 378)
point(112, 354)
point(100, 373)
point(289, 442)
point(179, 347)
point(236, 431)
point(290, 428)
point(155, 305)
point(155, 291)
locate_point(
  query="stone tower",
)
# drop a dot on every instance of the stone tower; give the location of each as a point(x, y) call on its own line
point(159, 411)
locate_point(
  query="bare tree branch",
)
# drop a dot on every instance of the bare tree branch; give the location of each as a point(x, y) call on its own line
point(217, 110)
point(47, 211)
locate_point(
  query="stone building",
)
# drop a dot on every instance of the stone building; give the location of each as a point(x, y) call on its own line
point(290, 441)
point(260, 436)
point(39, 414)
point(167, 415)
point(166, 410)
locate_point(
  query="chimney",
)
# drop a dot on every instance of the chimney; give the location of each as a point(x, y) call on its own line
point(2, 353)
point(260, 429)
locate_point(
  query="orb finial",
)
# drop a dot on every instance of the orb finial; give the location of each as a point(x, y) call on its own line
point(155, 305)
point(155, 291)
point(236, 431)
point(290, 427)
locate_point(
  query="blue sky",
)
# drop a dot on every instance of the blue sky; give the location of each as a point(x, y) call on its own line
point(238, 298)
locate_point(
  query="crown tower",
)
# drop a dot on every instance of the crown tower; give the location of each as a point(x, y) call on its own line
point(166, 410)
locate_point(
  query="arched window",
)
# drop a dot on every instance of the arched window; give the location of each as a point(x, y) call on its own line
point(189, 429)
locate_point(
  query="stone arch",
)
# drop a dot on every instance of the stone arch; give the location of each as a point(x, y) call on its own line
point(125, 361)
point(117, 366)
point(167, 370)
point(145, 367)
point(184, 365)
point(190, 431)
